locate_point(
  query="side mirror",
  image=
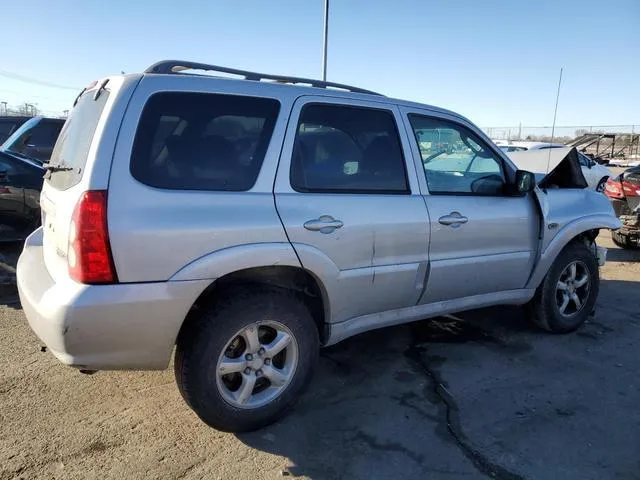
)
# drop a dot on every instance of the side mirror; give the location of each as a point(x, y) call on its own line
point(525, 182)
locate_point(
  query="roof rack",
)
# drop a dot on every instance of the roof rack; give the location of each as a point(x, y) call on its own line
point(176, 66)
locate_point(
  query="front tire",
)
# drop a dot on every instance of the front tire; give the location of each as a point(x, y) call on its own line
point(568, 293)
point(246, 359)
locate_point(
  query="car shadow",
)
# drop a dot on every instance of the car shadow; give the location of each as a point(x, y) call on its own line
point(371, 410)
point(377, 406)
point(617, 254)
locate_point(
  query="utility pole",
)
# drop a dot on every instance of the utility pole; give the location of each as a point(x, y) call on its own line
point(325, 40)
point(4, 108)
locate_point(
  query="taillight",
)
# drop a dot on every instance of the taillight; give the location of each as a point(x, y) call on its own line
point(89, 254)
point(613, 189)
point(630, 190)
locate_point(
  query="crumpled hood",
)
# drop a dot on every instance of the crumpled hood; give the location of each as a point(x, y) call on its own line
point(553, 167)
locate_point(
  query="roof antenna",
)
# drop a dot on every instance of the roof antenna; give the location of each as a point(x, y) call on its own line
point(555, 112)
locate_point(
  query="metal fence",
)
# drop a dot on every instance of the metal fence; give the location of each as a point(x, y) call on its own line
point(543, 133)
point(612, 142)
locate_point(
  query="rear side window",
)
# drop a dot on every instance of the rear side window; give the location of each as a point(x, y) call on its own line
point(202, 141)
point(345, 149)
point(72, 147)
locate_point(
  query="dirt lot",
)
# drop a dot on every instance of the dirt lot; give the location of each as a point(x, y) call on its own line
point(487, 397)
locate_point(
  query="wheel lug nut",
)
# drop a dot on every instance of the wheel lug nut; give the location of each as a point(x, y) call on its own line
point(247, 371)
point(259, 373)
point(267, 361)
point(249, 357)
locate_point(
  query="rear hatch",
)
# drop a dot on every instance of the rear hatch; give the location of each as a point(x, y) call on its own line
point(69, 173)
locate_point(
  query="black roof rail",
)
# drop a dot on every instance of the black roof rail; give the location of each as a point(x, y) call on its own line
point(176, 66)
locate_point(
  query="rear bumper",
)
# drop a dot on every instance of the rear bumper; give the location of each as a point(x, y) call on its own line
point(108, 327)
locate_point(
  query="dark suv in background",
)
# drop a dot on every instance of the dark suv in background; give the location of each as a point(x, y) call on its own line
point(21, 174)
point(35, 138)
point(10, 124)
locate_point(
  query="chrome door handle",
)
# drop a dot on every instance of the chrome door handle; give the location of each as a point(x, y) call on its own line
point(454, 219)
point(324, 224)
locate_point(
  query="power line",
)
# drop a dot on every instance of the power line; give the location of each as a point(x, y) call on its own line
point(22, 78)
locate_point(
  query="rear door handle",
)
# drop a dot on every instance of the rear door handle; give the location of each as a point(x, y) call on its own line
point(324, 224)
point(454, 219)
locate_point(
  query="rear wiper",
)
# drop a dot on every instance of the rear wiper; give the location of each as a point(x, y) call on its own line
point(56, 168)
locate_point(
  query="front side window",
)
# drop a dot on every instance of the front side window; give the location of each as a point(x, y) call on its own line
point(202, 141)
point(456, 161)
point(344, 149)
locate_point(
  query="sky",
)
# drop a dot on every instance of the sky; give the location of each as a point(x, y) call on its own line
point(495, 61)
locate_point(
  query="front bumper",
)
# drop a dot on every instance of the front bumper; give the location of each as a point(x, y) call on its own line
point(108, 327)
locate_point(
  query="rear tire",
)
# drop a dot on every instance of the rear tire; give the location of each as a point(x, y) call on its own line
point(574, 277)
point(246, 320)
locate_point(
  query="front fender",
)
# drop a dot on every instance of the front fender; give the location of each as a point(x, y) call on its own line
point(564, 236)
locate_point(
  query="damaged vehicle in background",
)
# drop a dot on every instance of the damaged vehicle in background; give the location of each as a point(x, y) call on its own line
point(246, 223)
point(595, 174)
point(624, 193)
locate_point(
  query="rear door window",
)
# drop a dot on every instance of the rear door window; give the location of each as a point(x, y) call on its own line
point(346, 149)
point(202, 141)
point(72, 147)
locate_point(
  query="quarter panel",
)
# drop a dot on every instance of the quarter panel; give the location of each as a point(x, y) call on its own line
point(159, 232)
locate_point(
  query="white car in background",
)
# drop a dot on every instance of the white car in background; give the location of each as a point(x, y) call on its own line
point(595, 174)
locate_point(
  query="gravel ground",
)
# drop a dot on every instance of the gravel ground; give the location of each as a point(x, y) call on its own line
point(485, 397)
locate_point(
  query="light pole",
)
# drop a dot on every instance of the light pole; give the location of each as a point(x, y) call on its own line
point(325, 38)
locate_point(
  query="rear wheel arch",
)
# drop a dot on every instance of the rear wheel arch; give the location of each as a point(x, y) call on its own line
point(300, 282)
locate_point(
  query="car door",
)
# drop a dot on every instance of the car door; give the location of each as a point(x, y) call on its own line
point(483, 238)
point(351, 207)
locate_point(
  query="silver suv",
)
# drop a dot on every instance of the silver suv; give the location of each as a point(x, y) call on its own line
point(248, 221)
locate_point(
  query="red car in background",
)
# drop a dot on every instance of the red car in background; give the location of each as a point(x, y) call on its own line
point(624, 193)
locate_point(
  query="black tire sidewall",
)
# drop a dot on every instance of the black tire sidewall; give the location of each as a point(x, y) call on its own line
point(201, 343)
point(553, 320)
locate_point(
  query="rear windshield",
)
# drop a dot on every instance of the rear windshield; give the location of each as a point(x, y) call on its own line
point(72, 146)
point(202, 141)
